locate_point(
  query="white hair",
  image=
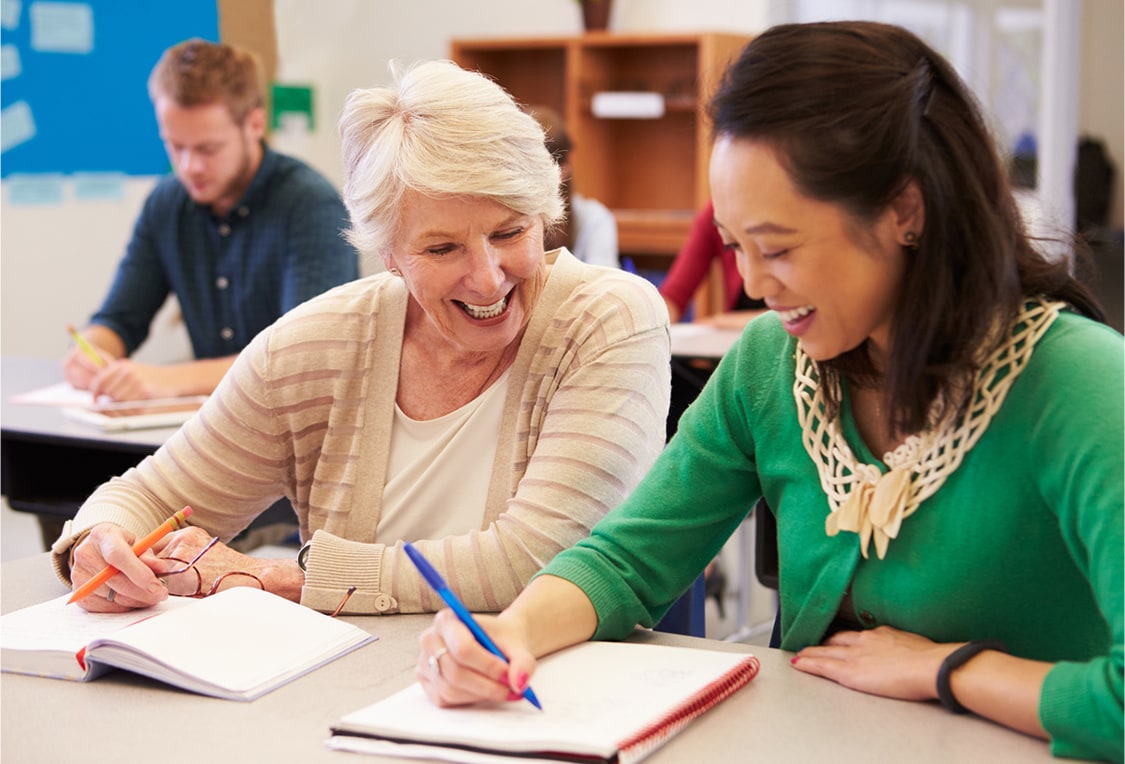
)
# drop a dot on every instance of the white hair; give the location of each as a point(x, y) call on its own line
point(440, 130)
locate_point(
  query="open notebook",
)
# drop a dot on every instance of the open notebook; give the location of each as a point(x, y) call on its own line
point(137, 415)
point(238, 644)
point(114, 415)
point(602, 702)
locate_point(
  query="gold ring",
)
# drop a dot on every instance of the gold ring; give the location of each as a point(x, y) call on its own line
point(435, 667)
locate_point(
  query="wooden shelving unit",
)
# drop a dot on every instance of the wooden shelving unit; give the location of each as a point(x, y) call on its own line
point(651, 172)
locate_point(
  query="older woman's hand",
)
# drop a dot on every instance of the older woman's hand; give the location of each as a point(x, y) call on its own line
point(455, 670)
point(219, 567)
point(134, 586)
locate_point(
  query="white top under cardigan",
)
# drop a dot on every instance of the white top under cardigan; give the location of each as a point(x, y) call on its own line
point(437, 475)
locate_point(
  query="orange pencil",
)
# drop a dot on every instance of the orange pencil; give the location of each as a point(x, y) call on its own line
point(178, 520)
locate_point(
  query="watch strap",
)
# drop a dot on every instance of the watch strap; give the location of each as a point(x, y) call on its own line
point(955, 660)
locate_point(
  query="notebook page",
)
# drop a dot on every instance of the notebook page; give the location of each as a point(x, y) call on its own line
point(595, 695)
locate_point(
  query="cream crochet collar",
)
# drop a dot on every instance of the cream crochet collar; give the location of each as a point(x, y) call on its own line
point(865, 501)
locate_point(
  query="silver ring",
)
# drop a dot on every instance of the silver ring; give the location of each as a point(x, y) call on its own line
point(435, 667)
point(109, 597)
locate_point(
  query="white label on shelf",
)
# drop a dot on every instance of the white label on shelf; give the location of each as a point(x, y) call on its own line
point(627, 105)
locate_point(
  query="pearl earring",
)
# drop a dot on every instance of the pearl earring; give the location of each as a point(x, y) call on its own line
point(911, 240)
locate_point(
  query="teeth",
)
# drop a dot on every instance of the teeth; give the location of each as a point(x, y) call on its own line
point(792, 315)
point(486, 311)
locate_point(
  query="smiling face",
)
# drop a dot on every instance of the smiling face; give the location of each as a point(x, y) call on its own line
point(214, 157)
point(831, 279)
point(474, 268)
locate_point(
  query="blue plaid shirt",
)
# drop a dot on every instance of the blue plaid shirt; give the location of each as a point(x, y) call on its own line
point(279, 246)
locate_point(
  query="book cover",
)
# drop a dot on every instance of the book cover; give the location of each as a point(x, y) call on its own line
point(602, 701)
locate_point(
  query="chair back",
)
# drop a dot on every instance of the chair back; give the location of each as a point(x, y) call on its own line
point(765, 545)
point(688, 615)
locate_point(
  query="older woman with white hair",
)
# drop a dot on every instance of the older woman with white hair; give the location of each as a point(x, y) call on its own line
point(484, 399)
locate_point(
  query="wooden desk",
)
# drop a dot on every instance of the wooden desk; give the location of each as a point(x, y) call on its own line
point(782, 716)
point(690, 340)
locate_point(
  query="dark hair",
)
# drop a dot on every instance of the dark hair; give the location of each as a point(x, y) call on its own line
point(563, 233)
point(857, 110)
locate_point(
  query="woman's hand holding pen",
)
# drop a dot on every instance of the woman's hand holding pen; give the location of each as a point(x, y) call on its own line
point(135, 585)
point(454, 669)
point(185, 563)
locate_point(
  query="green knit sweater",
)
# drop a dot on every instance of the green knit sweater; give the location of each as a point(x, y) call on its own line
point(1023, 543)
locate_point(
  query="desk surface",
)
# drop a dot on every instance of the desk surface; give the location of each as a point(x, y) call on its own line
point(47, 423)
point(690, 340)
point(782, 716)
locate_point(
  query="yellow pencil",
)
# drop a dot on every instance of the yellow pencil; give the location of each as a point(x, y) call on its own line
point(86, 347)
point(178, 520)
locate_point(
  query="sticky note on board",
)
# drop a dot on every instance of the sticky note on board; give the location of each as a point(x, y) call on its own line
point(17, 125)
point(61, 27)
point(99, 186)
point(35, 190)
point(10, 13)
point(9, 62)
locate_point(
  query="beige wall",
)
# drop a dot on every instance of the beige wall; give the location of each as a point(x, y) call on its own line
point(1100, 110)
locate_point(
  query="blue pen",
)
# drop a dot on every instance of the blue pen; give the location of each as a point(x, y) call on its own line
point(434, 579)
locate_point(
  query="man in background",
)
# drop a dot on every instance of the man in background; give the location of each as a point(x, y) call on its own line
point(239, 233)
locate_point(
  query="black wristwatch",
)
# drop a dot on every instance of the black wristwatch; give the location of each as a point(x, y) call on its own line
point(303, 556)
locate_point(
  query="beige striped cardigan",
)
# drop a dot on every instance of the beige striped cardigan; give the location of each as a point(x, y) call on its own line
point(306, 413)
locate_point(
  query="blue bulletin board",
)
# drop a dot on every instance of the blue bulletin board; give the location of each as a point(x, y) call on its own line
point(74, 94)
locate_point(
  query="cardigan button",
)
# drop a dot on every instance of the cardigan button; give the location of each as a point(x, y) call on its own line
point(867, 619)
point(384, 603)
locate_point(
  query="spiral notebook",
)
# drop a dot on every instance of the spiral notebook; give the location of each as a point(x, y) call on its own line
point(602, 702)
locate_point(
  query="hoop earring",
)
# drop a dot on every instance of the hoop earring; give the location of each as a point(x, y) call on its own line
point(911, 240)
point(396, 272)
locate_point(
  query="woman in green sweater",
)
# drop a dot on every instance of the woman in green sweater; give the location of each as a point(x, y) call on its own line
point(932, 409)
